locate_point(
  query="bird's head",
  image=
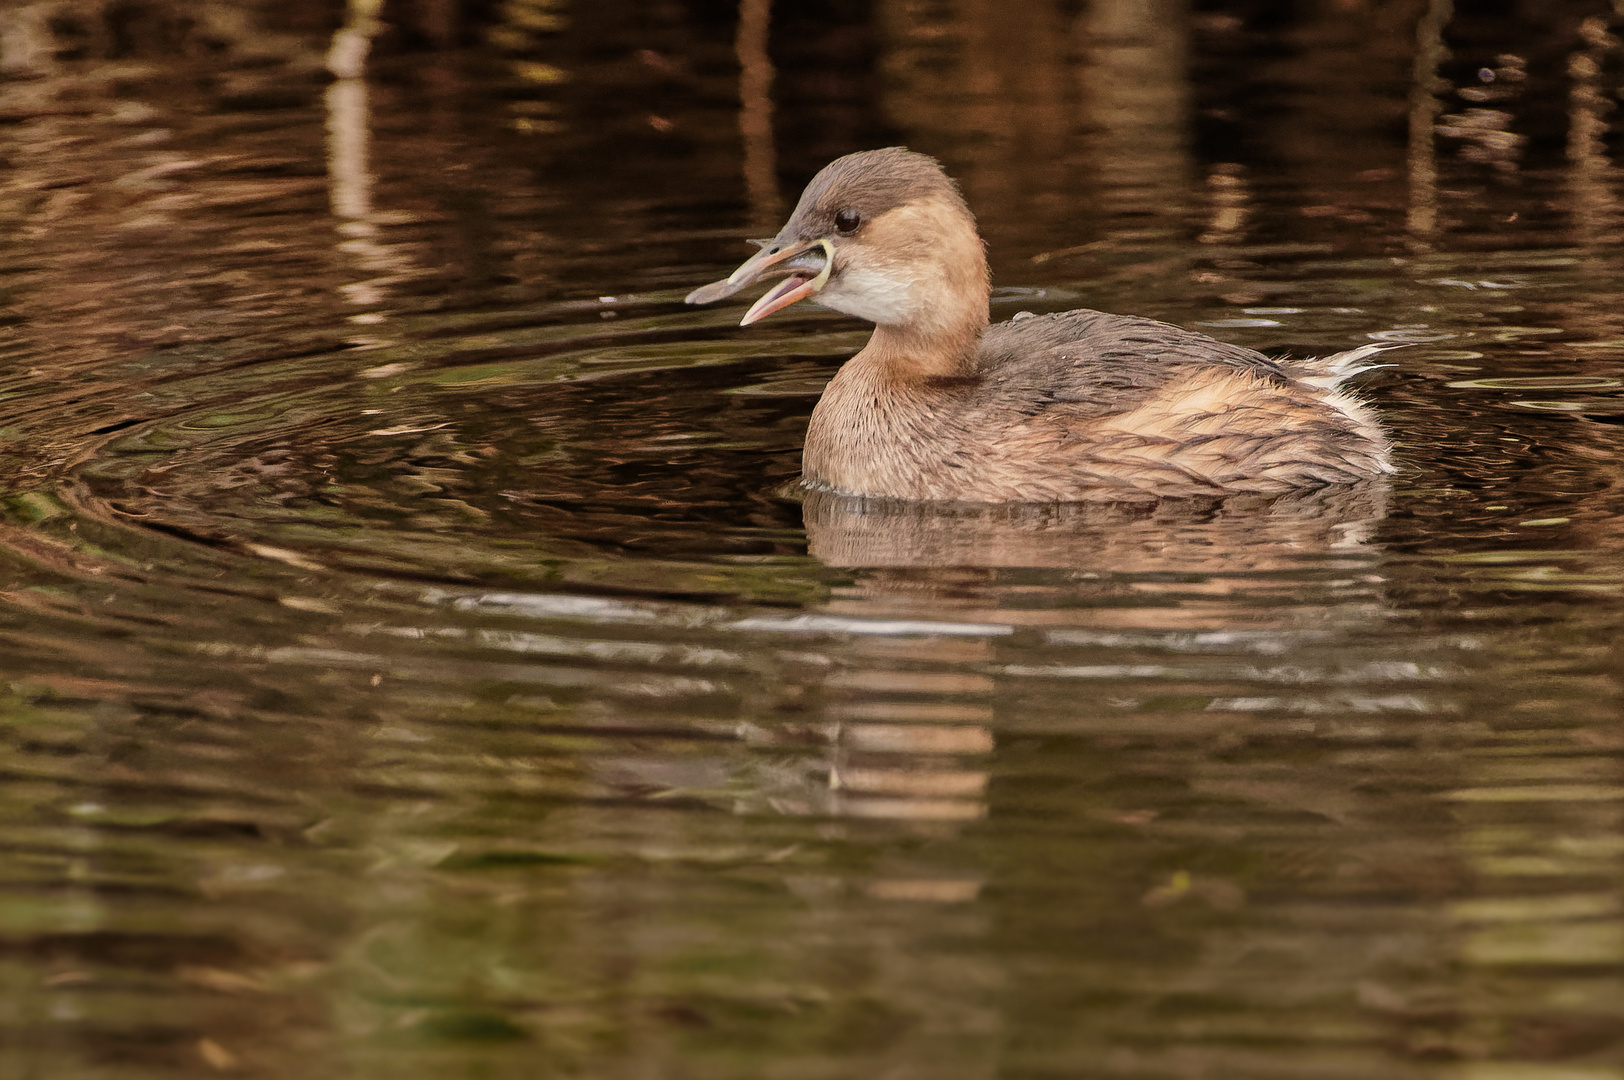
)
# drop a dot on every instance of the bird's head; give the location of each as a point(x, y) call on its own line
point(883, 235)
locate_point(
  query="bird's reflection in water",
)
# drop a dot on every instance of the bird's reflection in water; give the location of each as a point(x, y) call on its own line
point(1186, 536)
point(917, 712)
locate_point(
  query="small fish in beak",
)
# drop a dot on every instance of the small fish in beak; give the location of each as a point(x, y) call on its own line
point(807, 264)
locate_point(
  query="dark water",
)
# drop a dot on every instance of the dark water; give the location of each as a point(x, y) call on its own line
point(413, 665)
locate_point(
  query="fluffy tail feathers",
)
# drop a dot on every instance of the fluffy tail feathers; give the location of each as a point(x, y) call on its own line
point(1330, 372)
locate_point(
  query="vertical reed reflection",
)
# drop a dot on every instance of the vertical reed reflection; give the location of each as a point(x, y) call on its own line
point(1135, 101)
point(1230, 197)
point(1425, 108)
point(348, 164)
point(347, 115)
point(989, 93)
point(1065, 107)
point(1592, 203)
point(756, 113)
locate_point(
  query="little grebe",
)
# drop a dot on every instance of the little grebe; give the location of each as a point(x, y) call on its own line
point(1055, 408)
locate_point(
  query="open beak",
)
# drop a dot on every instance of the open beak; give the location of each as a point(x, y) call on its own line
point(805, 278)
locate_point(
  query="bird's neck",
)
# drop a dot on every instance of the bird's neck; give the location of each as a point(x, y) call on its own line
point(941, 336)
point(904, 354)
point(937, 289)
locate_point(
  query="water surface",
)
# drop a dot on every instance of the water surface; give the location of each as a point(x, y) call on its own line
point(417, 663)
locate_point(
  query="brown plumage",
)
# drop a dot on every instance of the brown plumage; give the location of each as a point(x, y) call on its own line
point(1056, 408)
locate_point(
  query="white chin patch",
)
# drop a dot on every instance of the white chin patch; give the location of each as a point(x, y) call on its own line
point(871, 295)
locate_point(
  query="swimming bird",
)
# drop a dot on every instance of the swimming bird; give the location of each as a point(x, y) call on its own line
point(1081, 405)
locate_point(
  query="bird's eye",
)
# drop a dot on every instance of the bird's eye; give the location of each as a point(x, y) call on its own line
point(847, 220)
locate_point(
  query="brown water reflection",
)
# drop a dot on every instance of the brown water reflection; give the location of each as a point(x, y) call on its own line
point(1228, 536)
point(413, 666)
